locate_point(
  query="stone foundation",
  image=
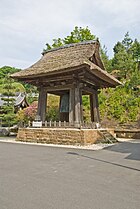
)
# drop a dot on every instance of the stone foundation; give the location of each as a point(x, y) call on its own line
point(59, 136)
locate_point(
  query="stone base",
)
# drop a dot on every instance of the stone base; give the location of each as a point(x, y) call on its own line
point(59, 136)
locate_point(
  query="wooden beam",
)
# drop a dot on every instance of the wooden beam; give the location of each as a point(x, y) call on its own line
point(89, 90)
point(94, 80)
point(55, 78)
point(58, 88)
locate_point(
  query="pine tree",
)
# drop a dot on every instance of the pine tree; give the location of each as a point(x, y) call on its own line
point(107, 62)
point(127, 42)
point(123, 62)
point(7, 110)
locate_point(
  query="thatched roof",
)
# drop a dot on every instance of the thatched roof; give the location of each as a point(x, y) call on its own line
point(67, 58)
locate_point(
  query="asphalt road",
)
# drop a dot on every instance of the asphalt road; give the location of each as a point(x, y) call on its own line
point(40, 177)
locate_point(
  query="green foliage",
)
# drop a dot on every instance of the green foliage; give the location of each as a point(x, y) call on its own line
point(86, 108)
point(126, 57)
point(120, 104)
point(32, 93)
point(8, 88)
point(7, 70)
point(135, 50)
point(8, 116)
point(52, 114)
point(52, 108)
point(107, 63)
point(79, 34)
point(127, 42)
point(122, 61)
point(18, 86)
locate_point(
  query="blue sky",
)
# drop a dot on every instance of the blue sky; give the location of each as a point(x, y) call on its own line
point(26, 25)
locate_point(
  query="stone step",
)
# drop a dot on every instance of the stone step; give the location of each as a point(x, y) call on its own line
point(107, 137)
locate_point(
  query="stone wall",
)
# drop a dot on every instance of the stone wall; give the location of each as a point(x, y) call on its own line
point(59, 136)
point(128, 133)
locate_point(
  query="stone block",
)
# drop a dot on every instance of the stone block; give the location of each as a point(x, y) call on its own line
point(58, 135)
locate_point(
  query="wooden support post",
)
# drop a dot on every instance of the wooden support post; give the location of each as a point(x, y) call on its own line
point(71, 105)
point(81, 105)
point(42, 103)
point(60, 114)
point(95, 116)
point(91, 108)
point(97, 107)
point(78, 104)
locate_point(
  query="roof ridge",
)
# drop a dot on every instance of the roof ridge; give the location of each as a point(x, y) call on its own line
point(70, 45)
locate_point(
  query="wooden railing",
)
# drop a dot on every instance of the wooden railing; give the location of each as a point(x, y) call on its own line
point(64, 124)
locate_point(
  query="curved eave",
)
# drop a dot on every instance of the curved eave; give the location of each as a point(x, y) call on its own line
point(18, 103)
point(59, 59)
point(20, 99)
point(104, 75)
point(54, 72)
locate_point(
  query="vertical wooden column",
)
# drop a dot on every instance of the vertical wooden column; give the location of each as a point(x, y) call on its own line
point(71, 105)
point(42, 103)
point(60, 114)
point(78, 104)
point(81, 105)
point(91, 108)
point(94, 107)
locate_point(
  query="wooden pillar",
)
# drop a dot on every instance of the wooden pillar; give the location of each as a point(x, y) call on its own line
point(42, 103)
point(94, 107)
point(81, 105)
point(60, 115)
point(78, 104)
point(71, 105)
point(91, 108)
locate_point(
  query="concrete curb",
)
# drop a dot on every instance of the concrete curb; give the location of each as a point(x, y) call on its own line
point(88, 147)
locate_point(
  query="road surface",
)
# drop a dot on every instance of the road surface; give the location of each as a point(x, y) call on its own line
point(40, 177)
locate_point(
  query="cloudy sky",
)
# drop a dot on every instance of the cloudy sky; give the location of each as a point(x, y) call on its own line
point(26, 25)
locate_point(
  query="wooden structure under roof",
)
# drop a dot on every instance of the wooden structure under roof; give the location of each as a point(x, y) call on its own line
point(69, 71)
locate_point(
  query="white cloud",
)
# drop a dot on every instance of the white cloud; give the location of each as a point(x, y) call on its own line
point(26, 25)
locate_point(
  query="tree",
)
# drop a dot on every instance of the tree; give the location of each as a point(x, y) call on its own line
point(8, 116)
point(125, 53)
point(122, 103)
point(79, 34)
point(19, 86)
point(7, 70)
point(4, 72)
point(127, 42)
point(135, 50)
point(107, 62)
